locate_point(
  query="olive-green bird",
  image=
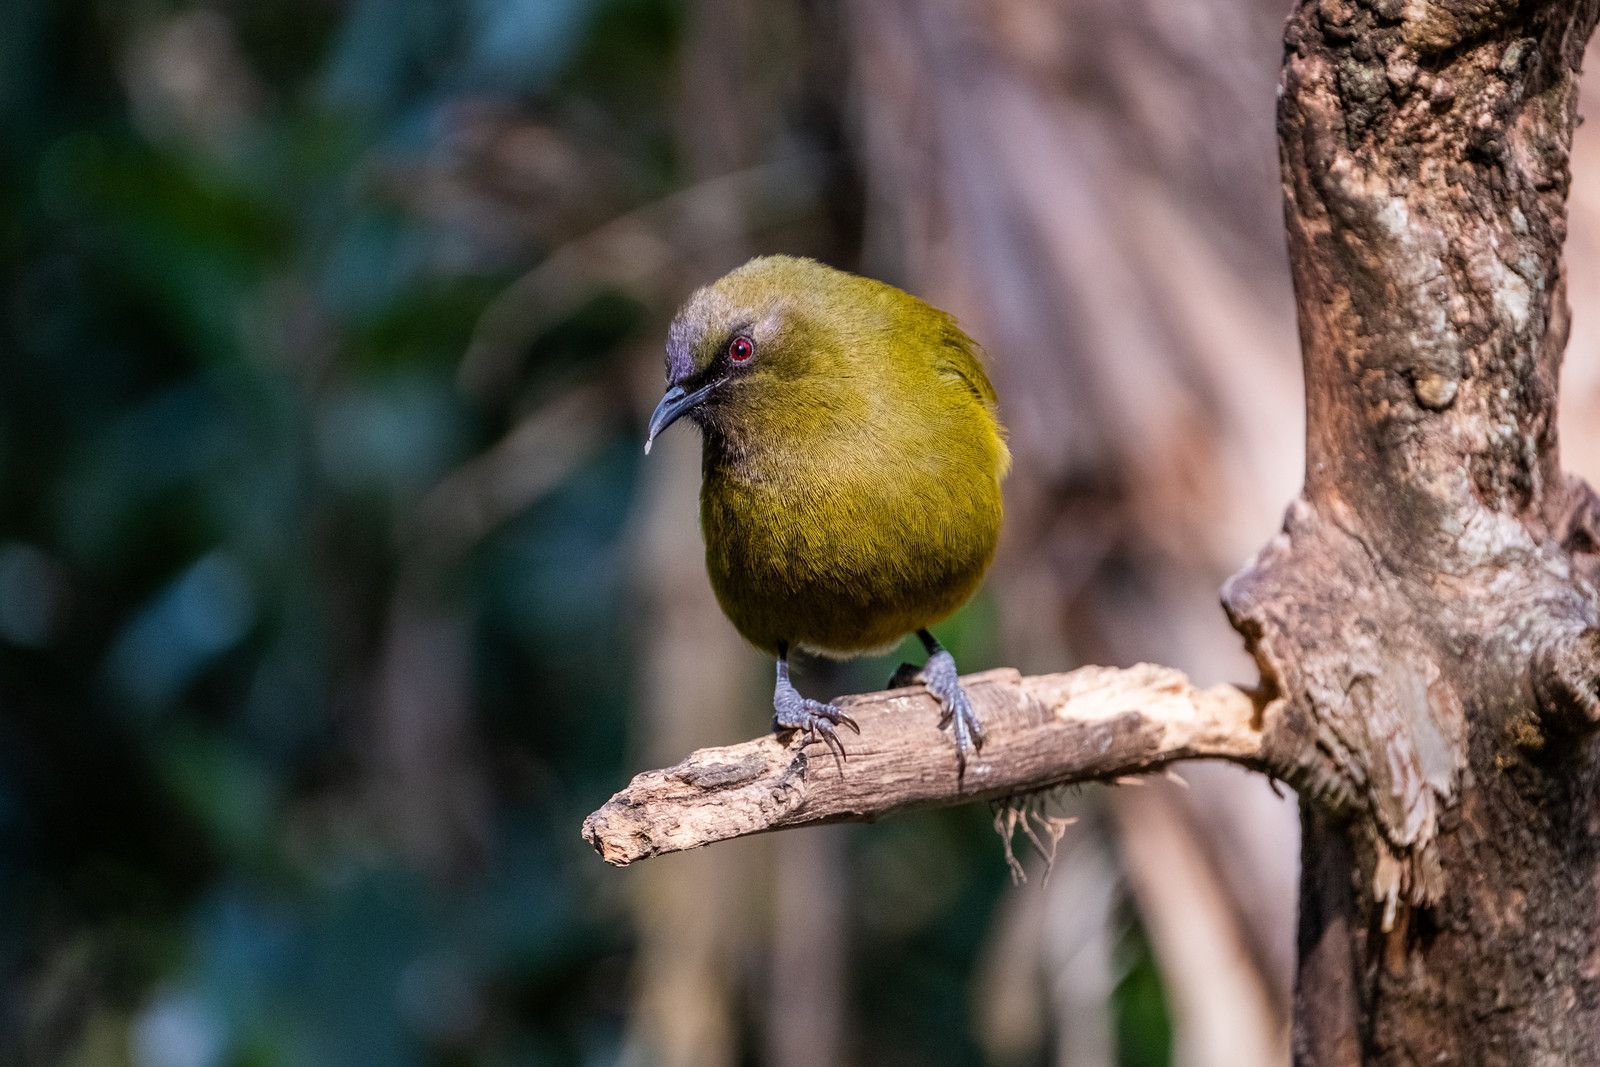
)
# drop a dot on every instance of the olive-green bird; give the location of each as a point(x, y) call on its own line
point(851, 471)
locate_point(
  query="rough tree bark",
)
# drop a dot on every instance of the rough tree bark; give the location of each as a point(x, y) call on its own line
point(1426, 622)
point(1427, 612)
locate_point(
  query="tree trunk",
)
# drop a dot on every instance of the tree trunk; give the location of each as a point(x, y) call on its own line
point(1427, 614)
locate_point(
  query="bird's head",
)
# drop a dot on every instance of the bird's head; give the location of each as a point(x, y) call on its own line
point(768, 344)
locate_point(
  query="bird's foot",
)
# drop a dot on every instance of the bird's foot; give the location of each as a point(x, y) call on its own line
point(814, 719)
point(940, 676)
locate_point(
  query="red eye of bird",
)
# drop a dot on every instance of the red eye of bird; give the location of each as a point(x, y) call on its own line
point(740, 349)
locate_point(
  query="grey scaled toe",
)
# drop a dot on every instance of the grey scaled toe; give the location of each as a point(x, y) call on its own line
point(940, 676)
point(813, 718)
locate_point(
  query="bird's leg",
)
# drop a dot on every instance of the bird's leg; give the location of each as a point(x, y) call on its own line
point(940, 676)
point(905, 675)
point(791, 711)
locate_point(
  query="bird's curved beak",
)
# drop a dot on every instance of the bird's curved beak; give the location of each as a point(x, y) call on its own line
point(674, 404)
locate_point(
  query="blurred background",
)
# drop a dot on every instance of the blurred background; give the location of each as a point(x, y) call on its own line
point(335, 589)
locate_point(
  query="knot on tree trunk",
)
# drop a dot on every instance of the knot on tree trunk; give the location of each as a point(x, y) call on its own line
point(1373, 664)
point(1366, 724)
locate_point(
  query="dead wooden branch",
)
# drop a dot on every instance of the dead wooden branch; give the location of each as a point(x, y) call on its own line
point(1092, 724)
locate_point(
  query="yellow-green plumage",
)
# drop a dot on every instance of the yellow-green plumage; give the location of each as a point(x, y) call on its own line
point(852, 469)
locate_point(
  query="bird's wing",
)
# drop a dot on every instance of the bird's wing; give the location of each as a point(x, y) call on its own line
point(959, 357)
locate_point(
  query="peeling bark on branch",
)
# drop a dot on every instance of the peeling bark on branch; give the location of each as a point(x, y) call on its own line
point(1096, 723)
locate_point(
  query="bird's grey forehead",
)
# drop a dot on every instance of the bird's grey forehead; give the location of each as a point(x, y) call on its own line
point(708, 313)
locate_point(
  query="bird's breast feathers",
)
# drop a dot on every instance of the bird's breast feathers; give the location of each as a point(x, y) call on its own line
point(846, 549)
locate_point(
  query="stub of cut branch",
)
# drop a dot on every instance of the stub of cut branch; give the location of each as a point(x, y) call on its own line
point(1091, 724)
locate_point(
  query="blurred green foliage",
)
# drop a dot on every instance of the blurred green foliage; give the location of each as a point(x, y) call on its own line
point(230, 340)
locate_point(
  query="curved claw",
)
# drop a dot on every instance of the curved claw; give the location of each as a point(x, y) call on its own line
point(958, 715)
point(814, 719)
point(824, 729)
point(968, 732)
